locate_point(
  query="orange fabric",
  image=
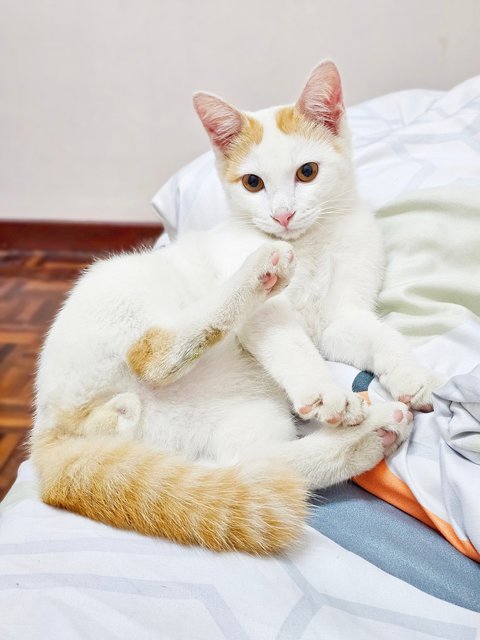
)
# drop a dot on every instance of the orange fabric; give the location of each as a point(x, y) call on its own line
point(384, 484)
point(364, 395)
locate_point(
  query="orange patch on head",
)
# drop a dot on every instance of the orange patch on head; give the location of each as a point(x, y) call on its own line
point(291, 122)
point(250, 135)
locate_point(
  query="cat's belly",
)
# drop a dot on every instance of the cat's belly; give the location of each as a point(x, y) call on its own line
point(189, 415)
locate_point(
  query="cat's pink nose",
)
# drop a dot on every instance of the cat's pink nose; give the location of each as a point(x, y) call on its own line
point(283, 217)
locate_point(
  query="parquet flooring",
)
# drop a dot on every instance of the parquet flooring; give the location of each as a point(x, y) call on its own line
point(32, 287)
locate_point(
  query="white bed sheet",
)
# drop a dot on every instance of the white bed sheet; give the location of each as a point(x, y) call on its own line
point(64, 576)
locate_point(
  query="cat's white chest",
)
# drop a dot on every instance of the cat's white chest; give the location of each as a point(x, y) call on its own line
point(310, 287)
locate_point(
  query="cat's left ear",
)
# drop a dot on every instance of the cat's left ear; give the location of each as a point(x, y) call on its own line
point(322, 99)
point(222, 121)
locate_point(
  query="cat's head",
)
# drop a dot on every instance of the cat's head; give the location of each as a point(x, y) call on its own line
point(284, 168)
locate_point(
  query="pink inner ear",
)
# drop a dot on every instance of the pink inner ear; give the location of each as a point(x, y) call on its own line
point(322, 99)
point(221, 121)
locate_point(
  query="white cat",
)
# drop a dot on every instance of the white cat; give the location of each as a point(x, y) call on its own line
point(166, 384)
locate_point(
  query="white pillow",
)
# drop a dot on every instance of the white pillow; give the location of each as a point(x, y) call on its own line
point(402, 142)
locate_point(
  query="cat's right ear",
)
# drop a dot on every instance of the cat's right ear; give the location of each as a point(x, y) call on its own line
point(322, 100)
point(221, 120)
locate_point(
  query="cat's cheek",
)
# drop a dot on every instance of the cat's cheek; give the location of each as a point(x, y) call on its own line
point(256, 204)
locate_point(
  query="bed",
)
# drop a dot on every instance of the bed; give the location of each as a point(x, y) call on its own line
point(399, 564)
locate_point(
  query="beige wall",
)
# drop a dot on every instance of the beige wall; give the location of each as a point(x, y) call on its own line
point(95, 106)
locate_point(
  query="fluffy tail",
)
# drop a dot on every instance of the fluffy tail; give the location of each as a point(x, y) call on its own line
point(251, 508)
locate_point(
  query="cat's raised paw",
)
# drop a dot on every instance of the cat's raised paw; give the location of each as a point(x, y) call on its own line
point(275, 265)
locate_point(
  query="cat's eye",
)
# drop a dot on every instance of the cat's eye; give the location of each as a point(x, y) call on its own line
point(307, 172)
point(253, 183)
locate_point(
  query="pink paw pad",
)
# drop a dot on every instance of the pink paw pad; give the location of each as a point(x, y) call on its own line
point(405, 399)
point(335, 419)
point(388, 437)
point(275, 258)
point(269, 280)
point(305, 410)
point(425, 408)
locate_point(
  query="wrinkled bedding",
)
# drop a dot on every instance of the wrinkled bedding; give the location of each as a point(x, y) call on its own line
point(432, 294)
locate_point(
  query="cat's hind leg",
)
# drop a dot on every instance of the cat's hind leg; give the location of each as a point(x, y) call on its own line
point(164, 354)
point(122, 412)
point(335, 454)
point(118, 416)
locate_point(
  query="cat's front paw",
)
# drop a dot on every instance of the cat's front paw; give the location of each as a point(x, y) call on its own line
point(274, 265)
point(334, 406)
point(413, 386)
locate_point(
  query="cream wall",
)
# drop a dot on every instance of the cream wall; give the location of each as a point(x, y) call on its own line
point(95, 95)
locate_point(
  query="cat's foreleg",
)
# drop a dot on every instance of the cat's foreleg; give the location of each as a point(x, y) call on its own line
point(165, 353)
point(276, 337)
point(356, 336)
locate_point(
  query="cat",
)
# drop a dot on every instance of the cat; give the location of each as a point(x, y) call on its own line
point(167, 382)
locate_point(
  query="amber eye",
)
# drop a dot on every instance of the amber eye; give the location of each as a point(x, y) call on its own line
point(307, 172)
point(253, 183)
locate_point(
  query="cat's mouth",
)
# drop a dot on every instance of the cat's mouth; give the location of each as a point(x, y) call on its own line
point(290, 233)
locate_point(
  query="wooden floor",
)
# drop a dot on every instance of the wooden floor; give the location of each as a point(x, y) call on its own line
point(32, 287)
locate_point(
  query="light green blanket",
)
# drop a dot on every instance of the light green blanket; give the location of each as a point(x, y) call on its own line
point(432, 280)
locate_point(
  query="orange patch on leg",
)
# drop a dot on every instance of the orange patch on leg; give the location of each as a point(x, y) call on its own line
point(200, 344)
point(90, 418)
point(160, 356)
point(147, 354)
point(212, 336)
point(74, 421)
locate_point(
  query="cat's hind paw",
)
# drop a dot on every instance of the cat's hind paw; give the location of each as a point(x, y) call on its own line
point(392, 422)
